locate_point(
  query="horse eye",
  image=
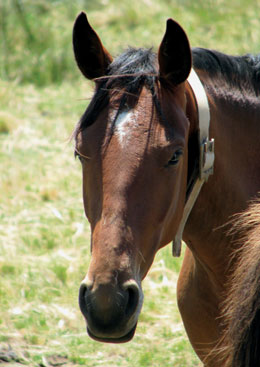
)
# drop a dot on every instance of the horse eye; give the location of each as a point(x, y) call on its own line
point(175, 158)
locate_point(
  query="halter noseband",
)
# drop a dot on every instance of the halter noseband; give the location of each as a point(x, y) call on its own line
point(206, 155)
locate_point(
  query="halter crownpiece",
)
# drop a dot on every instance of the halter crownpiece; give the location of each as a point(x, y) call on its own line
point(206, 158)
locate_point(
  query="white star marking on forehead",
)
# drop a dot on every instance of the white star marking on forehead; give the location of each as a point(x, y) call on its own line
point(124, 125)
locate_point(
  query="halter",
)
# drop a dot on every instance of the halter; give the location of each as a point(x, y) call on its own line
point(206, 156)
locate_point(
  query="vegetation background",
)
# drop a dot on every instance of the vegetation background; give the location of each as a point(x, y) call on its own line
point(44, 236)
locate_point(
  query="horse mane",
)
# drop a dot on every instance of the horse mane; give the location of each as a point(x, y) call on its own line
point(238, 72)
point(137, 67)
point(241, 312)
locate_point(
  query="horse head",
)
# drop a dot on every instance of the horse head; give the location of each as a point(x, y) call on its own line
point(133, 144)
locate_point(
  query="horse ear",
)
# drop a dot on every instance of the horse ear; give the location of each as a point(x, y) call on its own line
point(174, 54)
point(92, 58)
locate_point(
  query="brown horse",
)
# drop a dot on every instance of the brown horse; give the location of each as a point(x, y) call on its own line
point(139, 145)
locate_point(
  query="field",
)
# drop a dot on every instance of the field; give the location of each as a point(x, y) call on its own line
point(44, 236)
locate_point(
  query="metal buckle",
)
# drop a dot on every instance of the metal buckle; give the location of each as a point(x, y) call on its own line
point(207, 159)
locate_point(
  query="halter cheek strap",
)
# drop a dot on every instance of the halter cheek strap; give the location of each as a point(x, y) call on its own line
point(206, 158)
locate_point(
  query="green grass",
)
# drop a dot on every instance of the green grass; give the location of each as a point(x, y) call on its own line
point(35, 42)
point(44, 236)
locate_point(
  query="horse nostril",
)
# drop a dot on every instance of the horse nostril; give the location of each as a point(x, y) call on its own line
point(133, 300)
point(83, 290)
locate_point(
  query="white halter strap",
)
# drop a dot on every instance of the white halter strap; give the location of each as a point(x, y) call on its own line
point(206, 158)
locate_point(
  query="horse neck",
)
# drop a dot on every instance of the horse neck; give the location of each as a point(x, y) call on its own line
point(236, 177)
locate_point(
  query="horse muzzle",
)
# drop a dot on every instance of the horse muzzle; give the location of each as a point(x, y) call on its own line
point(111, 311)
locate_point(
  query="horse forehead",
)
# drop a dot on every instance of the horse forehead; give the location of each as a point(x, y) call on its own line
point(126, 123)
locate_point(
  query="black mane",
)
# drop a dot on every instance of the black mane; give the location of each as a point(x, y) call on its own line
point(136, 68)
point(238, 72)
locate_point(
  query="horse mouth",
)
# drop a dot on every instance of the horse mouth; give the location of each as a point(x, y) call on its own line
point(123, 339)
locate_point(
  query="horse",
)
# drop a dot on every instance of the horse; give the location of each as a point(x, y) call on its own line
point(151, 175)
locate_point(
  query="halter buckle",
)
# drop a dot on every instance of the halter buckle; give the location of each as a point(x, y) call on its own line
point(206, 159)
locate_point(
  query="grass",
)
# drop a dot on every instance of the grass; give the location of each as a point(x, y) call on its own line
point(35, 42)
point(44, 236)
